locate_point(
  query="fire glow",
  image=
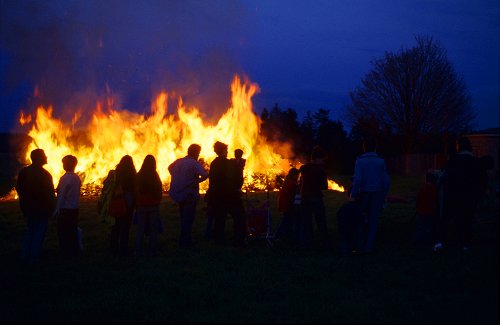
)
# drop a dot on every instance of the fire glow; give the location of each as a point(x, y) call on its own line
point(110, 134)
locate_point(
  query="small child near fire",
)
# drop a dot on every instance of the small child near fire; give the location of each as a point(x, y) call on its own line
point(68, 199)
point(426, 210)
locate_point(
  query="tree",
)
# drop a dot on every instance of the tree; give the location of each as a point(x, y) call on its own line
point(413, 93)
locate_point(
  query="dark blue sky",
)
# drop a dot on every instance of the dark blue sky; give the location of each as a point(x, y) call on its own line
point(303, 54)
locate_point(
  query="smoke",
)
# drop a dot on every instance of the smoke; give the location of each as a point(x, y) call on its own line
point(76, 52)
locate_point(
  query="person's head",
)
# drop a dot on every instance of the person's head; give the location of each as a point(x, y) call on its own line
point(220, 149)
point(463, 144)
point(38, 157)
point(293, 174)
point(238, 153)
point(69, 163)
point(318, 154)
point(369, 144)
point(148, 165)
point(126, 165)
point(431, 178)
point(194, 151)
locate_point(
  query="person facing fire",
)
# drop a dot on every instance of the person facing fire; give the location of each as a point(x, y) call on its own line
point(240, 163)
point(313, 181)
point(125, 185)
point(68, 200)
point(224, 196)
point(149, 193)
point(187, 173)
point(370, 186)
point(289, 206)
point(37, 201)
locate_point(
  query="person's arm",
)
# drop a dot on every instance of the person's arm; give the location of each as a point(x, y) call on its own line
point(201, 172)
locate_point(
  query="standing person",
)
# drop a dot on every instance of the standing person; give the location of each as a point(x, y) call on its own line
point(313, 181)
point(37, 201)
point(370, 187)
point(426, 209)
point(187, 173)
point(464, 181)
point(68, 201)
point(224, 196)
point(288, 228)
point(125, 187)
point(240, 163)
point(149, 192)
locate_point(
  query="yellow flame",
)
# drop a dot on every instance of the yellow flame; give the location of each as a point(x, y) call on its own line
point(12, 195)
point(101, 143)
point(334, 186)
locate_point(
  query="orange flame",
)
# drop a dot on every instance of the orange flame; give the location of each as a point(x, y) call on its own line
point(110, 135)
point(12, 195)
point(334, 186)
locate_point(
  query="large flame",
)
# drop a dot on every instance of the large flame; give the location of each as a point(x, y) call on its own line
point(110, 135)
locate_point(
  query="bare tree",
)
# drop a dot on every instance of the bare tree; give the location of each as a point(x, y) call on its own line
point(413, 93)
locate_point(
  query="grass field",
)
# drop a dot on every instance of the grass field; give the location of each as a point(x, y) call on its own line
point(399, 283)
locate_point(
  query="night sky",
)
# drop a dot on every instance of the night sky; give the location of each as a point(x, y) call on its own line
point(304, 55)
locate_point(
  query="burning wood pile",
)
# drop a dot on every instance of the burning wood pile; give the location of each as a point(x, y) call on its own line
point(112, 133)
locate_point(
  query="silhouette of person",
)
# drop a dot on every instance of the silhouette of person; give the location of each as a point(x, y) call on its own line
point(464, 181)
point(224, 196)
point(187, 173)
point(370, 187)
point(67, 209)
point(149, 193)
point(125, 175)
point(426, 206)
point(37, 201)
point(289, 225)
point(240, 163)
point(313, 181)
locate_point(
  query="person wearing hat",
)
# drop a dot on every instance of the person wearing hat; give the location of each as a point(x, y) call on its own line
point(37, 201)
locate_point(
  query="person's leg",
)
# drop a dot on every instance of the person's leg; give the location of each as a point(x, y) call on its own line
point(124, 233)
point(320, 217)
point(209, 230)
point(73, 247)
point(141, 225)
point(40, 229)
point(155, 224)
point(62, 233)
point(238, 214)
point(188, 210)
point(305, 233)
point(375, 207)
point(27, 242)
point(219, 223)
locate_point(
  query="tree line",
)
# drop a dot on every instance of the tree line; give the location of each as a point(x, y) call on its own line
point(412, 101)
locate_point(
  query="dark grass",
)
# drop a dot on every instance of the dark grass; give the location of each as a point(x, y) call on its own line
point(399, 283)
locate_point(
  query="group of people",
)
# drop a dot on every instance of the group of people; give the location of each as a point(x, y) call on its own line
point(134, 197)
point(452, 194)
point(301, 197)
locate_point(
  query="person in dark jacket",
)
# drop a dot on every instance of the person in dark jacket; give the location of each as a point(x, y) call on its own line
point(37, 201)
point(287, 204)
point(124, 185)
point(464, 181)
point(224, 196)
point(149, 193)
point(313, 181)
